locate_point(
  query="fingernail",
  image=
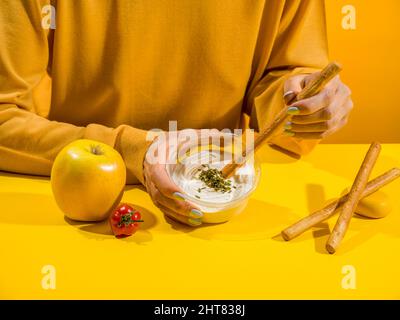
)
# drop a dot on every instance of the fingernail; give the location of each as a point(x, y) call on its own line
point(196, 213)
point(288, 96)
point(195, 222)
point(288, 125)
point(289, 133)
point(293, 110)
point(179, 196)
point(288, 93)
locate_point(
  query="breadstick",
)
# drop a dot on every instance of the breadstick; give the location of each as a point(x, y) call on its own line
point(354, 197)
point(311, 89)
point(326, 75)
point(282, 118)
point(321, 215)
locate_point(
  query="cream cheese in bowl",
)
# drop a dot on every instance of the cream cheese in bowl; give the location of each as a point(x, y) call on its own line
point(217, 205)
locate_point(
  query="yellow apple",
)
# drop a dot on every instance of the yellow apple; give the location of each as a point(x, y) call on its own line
point(88, 179)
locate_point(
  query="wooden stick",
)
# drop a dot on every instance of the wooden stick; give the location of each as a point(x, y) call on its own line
point(354, 197)
point(315, 86)
point(321, 215)
point(229, 169)
point(311, 89)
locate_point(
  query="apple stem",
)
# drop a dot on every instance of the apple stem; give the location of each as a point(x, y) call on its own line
point(96, 150)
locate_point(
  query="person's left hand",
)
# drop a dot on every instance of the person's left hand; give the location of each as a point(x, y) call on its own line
point(320, 115)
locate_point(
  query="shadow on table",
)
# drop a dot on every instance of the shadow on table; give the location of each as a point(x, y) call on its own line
point(26, 208)
point(316, 200)
point(275, 154)
point(260, 220)
point(320, 232)
point(367, 228)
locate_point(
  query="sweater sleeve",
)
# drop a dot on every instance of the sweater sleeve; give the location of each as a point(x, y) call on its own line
point(29, 142)
point(299, 47)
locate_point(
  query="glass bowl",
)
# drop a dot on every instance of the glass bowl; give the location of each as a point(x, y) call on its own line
point(203, 160)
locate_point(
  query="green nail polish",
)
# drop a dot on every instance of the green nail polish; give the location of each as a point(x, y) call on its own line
point(179, 196)
point(293, 110)
point(194, 213)
point(289, 133)
point(288, 126)
point(195, 222)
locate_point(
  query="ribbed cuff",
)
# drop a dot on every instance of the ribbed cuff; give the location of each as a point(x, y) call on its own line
point(132, 144)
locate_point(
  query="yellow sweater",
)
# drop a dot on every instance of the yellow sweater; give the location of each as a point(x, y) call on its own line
point(111, 70)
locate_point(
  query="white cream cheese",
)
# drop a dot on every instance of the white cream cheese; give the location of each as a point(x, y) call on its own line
point(185, 175)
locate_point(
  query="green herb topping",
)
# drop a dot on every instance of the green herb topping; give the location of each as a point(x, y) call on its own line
point(213, 179)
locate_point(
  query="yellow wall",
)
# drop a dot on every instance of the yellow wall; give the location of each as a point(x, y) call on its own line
point(371, 58)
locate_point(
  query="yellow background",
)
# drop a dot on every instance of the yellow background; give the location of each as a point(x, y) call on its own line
point(371, 58)
point(243, 258)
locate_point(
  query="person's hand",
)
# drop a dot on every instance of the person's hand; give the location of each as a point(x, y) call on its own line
point(318, 116)
point(165, 194)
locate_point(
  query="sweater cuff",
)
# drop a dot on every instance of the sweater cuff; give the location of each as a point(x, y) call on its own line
point(101, 133)
point(133, 143)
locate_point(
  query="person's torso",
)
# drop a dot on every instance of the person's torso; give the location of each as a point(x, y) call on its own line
point(143, 62)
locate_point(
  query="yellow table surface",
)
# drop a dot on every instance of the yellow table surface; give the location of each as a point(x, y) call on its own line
point(242, 259)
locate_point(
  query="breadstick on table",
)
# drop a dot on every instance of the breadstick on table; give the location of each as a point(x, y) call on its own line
point(321, 215)
point(354, 197)
point(311, 89)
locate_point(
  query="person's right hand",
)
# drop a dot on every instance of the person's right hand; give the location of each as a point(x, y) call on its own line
point(166, 195)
